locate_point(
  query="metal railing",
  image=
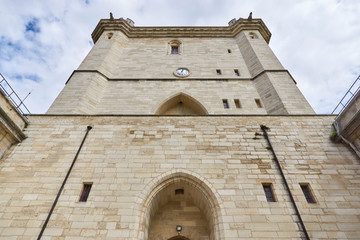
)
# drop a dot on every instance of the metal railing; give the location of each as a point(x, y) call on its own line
point(6, 88)
point(349, 95)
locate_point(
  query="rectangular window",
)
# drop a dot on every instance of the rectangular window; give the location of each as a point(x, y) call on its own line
point(85, 192)
point(225, 103)
point(269, 194)
point(305, 187)
point(174, 49)
point(237, 103)
point(258, 103)
point(218, 71)
point(236, 71)
point(229, 50)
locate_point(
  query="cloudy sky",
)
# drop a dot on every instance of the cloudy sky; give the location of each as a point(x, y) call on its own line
point(42, 42)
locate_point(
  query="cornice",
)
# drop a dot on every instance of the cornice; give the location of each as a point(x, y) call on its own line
point(177, 32)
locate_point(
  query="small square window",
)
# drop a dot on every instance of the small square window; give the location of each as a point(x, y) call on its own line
point(305, 187)
point(218, 71)
point(174, 49)
point(85, 192)
point(237, 103)
point(229, 50)
point(179, 191)
point(225, 103)
point(258, 103)
point(236, 71)
point(269, 194)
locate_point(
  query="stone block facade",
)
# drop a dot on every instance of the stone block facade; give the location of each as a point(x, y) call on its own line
point(218, 161)
point(12, 124)
point(130, 149)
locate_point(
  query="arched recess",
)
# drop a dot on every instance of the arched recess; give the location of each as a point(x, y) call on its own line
point(197, 210)
point(179, 238)
point(181, 104)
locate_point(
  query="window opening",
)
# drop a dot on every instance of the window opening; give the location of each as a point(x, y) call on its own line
point(225, 103)
point(174, 49)
point(85, 192)
point(269, 194)
point(237, 103)
point(109, 35)
point(258, 103)
point(179, 191)
point(229, 50)
point(236, 71)
point(307, 193)
point(218, 71)
point(253, 35)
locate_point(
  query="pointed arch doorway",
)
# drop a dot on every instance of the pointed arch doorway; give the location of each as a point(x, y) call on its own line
point(181, 199)
point(181, 104)
point(178, 238)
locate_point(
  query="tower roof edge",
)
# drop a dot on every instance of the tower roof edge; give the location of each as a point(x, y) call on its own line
point(181, 31)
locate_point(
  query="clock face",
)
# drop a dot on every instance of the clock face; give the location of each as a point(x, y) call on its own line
point(182, 72)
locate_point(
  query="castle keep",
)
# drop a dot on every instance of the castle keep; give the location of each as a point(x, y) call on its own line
point(177, 133)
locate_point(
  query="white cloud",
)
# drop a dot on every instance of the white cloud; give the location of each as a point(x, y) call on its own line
point(317, 41)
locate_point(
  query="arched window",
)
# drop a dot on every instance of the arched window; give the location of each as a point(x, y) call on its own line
point(175, 47)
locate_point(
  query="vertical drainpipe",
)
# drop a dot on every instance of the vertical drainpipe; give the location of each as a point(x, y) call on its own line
point(263, 128)
point(63, 184)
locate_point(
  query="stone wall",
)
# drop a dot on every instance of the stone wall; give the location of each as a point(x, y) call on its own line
point(128, 159)
point(124, 75)
point(12, 123)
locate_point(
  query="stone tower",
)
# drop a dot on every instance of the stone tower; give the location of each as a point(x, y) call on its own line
point(180, 133)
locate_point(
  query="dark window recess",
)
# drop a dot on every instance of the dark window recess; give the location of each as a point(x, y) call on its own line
point(218, 71)
point(307, 193)
point(179, 191)
point(237, 103)
point(236, 72)
point(174, 49)
point(258, 103)
point(229, 50)
point(85, 192)
point(269, 192)
point(225, 103)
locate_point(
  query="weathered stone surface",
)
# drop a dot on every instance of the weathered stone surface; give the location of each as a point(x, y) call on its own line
point(116, 159)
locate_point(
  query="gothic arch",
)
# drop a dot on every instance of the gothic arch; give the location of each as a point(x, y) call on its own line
point(178, 238)
point(181, 104)
point(199, 190)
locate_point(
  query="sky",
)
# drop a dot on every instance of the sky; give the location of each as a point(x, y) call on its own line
point(43, 42)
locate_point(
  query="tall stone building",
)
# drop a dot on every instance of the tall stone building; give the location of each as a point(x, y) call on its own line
point(177, 133)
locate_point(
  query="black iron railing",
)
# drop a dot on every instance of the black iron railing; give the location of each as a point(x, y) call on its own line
point(6, 88)
point(349, 95)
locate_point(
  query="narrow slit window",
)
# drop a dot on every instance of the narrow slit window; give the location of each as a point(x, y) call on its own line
point(218, 71)
point(237, 103)
point(307, 193)
point(269, 193)
point(258, 103)
point(236, 71)
point(229, 50)
point(175, 49)
point(85, 192)
point(225, 103)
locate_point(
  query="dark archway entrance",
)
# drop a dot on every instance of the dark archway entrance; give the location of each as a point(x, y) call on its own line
point(181, 104)
point(178, 238)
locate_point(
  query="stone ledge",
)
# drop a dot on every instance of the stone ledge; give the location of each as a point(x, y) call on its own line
point(183, 32)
